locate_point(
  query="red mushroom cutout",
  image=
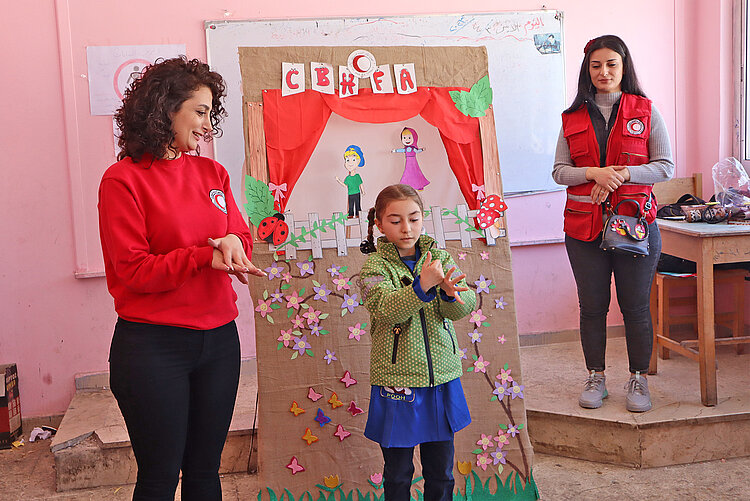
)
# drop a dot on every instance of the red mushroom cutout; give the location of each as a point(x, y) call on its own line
point(489, 213)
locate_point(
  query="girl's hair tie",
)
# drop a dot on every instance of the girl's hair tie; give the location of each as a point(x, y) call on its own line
point(366, 247)
point(588, 46)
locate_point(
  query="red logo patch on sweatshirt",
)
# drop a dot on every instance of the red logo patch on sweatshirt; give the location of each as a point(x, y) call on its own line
point(217, 197)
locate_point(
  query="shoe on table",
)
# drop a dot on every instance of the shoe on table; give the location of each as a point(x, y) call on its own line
point(594, 390)
point(638, 398)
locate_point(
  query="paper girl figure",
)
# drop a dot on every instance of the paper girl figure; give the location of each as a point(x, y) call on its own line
point(412, 173)
point(353, 159)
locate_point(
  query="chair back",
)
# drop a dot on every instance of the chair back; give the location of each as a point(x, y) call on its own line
point(668, 192)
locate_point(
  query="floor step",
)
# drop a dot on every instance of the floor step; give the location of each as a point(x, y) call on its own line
point(92, 447)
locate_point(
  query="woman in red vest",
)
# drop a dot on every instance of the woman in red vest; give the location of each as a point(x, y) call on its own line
point(613, 146)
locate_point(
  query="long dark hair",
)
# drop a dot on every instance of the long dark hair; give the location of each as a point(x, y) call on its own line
point(586, 89)
point(144, 117)
point(387, 195)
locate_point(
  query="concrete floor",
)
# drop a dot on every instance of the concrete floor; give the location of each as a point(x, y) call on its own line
point(28, 474)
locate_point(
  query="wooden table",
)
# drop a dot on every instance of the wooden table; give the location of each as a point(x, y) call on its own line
point(707, 245)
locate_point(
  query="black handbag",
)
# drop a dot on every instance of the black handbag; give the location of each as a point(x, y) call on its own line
point(626, 234)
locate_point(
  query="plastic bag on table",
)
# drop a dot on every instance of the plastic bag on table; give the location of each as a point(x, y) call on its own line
point(731, 183)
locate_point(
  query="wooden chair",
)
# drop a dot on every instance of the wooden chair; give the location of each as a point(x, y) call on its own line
point(662, 301)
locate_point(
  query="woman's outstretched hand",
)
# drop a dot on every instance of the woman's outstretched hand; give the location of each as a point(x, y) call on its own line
point(449, 285)
point(229, 256)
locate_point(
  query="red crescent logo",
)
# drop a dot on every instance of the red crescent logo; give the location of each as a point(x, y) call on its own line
point(355, 63)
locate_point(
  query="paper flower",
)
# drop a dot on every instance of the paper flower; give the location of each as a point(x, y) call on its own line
point(462, 353)
point(309, 437)
point(277, 297)
point(501, 439)
point(295, 466)
point(286, 277)
point(516, 390)
point(341, 283)
point(464, 467)
point(485, 441)
point(462, 256)
point(293, 300)
point(332, 481)
point(480, 365)
point(316, 330)
point(321, 292)
point(298, 322)
point(376, 478)
point(483, 284)
point(501, 389)
point(341, 433)
point(356, 331)
point(476, 317)
point(330, 357)
point(312, 315)
point(286, 337)
point(321, 418)
point(350, 302)
point(301, 344)
point(484, 255)
point(512, 430)
point(334, 270)
point(476, 336)
point(498, 456)
point(274, 271)
point(264, 307)
point(306, 268)
point(504, 375)
point(500, 303)
point(314, 395)
point(483, 460)
point(296, 409)
point(501, 339)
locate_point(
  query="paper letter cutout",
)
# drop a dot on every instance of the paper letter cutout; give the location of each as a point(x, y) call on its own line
point(381, 80)
point(321, 76)
point(292, 78)
point(406, 78)
point(348, 83)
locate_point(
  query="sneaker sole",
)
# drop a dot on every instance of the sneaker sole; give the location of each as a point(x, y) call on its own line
point(638, 409)
point(587, 405)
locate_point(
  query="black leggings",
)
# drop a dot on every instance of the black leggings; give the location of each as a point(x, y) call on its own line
point(176, 389)
point(593, 269)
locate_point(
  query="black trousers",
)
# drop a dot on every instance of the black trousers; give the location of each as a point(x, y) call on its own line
point(354, 205)
point(437, 470)
point(176, 389)
point(593, 269)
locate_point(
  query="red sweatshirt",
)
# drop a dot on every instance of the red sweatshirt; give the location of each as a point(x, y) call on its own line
point(154, 224)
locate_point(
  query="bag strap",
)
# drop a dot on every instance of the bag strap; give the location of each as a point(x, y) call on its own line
point(639, 213)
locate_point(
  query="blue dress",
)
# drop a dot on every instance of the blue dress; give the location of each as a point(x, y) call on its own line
point(405, 417)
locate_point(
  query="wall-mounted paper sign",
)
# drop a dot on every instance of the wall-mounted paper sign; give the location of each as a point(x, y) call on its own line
point(348, 83)
point(111, 70)
point(381, 81)
point(406, 78)
point(292, 78)
point(322, 77)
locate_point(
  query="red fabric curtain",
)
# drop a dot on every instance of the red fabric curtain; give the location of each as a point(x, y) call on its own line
point(294, 124)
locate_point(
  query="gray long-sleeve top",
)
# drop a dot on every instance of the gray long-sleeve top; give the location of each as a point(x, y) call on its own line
point(659, 168)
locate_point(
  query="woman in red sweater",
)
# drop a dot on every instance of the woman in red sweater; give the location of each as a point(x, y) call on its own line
point(171, 237)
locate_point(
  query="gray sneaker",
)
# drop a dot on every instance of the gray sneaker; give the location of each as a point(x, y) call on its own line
point(594, 390)
point(638, 398)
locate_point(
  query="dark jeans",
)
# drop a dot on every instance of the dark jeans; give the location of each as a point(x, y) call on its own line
point(437, 470)
point(354, 203)
point(592, 268)
point(176, 389)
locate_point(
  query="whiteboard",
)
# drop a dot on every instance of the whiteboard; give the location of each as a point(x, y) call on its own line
point(527, 77)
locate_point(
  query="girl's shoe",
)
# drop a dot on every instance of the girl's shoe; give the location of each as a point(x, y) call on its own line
point(594, 390)
point(638, 398)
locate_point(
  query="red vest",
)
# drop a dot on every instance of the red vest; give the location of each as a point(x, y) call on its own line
point(627, 145)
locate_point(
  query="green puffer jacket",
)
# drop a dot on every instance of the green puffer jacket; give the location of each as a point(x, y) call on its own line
point(413, 342)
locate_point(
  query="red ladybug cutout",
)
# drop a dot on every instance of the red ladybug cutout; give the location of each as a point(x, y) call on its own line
point(273, 229)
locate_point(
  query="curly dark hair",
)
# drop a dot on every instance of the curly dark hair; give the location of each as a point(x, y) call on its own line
point(144, 117)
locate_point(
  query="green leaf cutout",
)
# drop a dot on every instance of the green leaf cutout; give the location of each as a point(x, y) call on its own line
point(259, 200)
point(475, 102)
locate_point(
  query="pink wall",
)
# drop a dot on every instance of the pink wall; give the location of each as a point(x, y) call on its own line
point(56, 325)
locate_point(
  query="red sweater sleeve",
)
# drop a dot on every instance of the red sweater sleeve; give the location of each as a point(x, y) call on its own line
point(236, 223)
point(123, 233)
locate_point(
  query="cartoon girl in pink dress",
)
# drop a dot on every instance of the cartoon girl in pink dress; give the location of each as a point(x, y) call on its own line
point(412, 173)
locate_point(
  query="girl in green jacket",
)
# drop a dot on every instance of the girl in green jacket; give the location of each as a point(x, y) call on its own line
point(413, 292)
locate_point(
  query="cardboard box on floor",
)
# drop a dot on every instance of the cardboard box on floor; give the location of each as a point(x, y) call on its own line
point(10, 406)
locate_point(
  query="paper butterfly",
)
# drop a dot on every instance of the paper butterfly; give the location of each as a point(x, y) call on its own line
point(313, 395)
point(309, 437)
point(334, 401)
point(348, 380)
point(295, 466)
point(296, 409)
point(341, 433)
point(354, 409)
point(321, 418)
